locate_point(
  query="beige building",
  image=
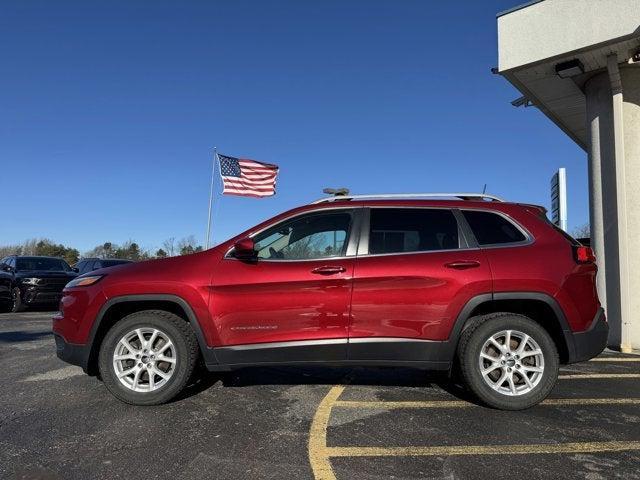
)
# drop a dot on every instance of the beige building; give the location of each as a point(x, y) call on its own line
point(578, 61)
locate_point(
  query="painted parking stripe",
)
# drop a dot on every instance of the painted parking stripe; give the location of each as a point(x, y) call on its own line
point(318, 457)
point(320, 454)
point(463, 404)
point(615, 359)
point(581, 376)
point(554, 448)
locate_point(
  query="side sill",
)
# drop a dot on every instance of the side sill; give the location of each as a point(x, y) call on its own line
point(384, 352)
point(283, 352)
point(430, 366)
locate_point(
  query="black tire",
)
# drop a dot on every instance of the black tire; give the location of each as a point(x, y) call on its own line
point(186, 353)
point(17, 305)
point(6, 307)
point(470, 346)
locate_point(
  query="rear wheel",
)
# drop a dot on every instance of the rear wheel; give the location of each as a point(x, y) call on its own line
point(508, 361)
point(148, 357)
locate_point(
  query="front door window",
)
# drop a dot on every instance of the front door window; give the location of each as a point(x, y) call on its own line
point(314, 236)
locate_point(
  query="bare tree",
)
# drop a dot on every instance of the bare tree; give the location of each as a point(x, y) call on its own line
point(583, 231)
point(188, 245)
point(169, 246)
point(30, 247)
point(10, 250)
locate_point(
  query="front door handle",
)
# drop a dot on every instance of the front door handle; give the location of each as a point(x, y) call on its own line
point(462, 264)
point(329, 270)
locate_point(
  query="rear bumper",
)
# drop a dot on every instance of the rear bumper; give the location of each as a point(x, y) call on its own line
point(72, 353)
point(591, 342)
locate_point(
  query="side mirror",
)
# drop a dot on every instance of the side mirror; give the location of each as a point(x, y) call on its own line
point(75, 269)
point(244, 249)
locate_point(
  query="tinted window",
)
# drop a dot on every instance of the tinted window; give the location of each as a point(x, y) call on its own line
point(492, 229)
point(111, 263)
point(80, 266)
point(395, 230)
point(312, 236)
point(41, 263)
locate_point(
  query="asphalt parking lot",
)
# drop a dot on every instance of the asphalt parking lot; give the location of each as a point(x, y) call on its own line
point(57, 423)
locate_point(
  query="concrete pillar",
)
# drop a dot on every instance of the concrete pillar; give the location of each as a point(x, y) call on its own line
point(614, 186)
point(598, 95)
point(630, 76)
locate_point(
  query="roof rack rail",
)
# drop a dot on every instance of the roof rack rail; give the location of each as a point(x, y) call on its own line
point(461, 196)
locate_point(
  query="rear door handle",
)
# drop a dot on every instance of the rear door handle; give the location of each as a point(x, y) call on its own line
point(462, 264)
point(329, 270)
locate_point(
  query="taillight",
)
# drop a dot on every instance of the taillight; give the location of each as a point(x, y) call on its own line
point(583, 254)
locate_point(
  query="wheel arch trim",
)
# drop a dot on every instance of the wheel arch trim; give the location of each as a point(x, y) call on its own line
point(207, 352)
point(466, 314)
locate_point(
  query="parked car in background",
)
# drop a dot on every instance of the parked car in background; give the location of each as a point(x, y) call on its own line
point(469, 284)
point(86, 265)
point(36, 281)
point(6, 299)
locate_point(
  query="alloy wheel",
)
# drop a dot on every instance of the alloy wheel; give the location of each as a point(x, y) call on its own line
point(511, 362)
point(144, 359)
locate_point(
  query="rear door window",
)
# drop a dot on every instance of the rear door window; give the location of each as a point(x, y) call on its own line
point(402, 230)
point(492, 229)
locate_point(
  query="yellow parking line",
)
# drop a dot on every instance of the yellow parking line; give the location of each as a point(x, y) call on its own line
point(615, 359)
point(320, 454)
point(318, 436)
point(579, 447)
point(463, 404)
point(581, 376)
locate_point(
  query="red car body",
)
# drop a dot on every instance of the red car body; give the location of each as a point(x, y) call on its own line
point(359, 308)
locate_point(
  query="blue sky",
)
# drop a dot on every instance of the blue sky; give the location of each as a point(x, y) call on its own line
point(109, 112)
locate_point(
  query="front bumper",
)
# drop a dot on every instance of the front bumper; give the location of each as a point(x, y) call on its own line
point(38, 297)
point(72, 353)
point(591, 342)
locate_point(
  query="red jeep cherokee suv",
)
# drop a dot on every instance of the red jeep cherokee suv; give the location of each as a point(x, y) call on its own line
point(486, 288)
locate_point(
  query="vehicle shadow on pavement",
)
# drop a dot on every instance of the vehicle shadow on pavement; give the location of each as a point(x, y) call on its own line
point(21, 336)
point(361, 376)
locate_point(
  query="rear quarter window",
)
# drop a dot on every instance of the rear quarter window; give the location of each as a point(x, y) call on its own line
point(492, 229)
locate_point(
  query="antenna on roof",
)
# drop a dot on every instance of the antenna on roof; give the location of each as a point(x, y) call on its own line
point(484, 190)
point(336, 192)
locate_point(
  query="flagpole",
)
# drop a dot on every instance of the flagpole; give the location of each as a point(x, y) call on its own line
point(213, 173)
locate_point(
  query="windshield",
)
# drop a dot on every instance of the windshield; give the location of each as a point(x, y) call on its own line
point(40, 263)
point(111, 263)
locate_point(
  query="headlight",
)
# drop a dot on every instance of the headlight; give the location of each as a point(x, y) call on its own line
point(31, 281)
point(83, 281)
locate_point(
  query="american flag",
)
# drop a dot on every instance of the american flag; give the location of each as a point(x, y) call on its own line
point(247, 178)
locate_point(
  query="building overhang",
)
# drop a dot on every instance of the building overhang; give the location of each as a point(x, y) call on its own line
point(535, 38)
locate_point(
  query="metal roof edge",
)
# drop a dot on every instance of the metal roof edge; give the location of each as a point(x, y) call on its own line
point(547, 113)
point(517, 7)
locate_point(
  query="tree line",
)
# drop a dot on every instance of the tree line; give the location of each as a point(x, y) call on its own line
point(129, 250)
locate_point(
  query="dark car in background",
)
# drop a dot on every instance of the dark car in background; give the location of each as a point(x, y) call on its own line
point(35, 281)
point(6, 299)
point(86, 265)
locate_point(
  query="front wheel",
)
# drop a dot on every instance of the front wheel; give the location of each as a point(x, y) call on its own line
point(148, 357)
point(16, 298)
point(508, 361)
